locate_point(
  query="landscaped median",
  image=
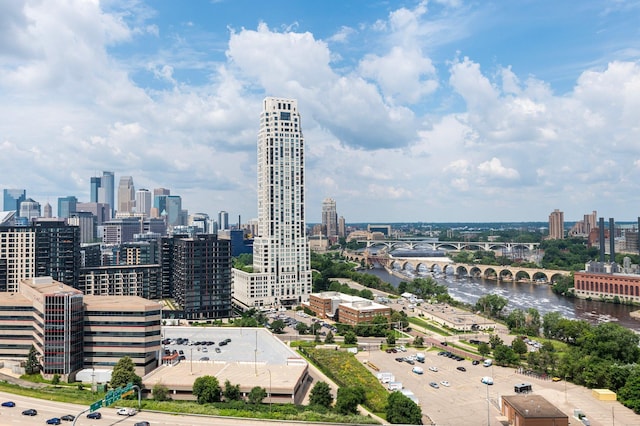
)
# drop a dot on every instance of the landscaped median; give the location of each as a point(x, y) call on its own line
point(346, 371)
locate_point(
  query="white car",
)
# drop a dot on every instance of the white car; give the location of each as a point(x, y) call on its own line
point(487, 380)
point(445, 383)
point(432, 368)
point(127, 411)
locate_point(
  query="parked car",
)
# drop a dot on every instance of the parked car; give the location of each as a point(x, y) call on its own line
point(461, 368)
point(475, 362)
point(434, 385)
point(218, 350)
point(68, 417)
point(127, 411)
point(142, 424)
point(54, 421)
point(487, 380)
point(95, 415)
point(204, 358)
point(30, 412)
point(445, 383)
point(8, 404)
point(432, 368)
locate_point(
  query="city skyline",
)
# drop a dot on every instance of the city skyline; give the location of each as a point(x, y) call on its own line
point(442, 111)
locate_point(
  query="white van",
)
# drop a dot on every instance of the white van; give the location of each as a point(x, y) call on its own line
point(487, 363)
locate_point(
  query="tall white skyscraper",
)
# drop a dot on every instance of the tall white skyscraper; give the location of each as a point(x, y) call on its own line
point(223, 220)
point(143, 202)
point(281, 265)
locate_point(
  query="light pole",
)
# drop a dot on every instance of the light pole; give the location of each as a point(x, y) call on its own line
point(270, 393)
point(488, 407)
point(191, 362)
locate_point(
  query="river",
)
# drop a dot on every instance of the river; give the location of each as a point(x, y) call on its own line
point(528, 295)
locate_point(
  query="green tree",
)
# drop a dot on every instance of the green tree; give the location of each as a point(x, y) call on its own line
point(519, 346)
point(206, 389)
point(56, 379)
point(160, 392)
point(256, 395)
point(491, 304)
point(124, 372)
point(350, 338)
point(418, 341)
point(391, 338)
point(277, 326)
point(33, 365)
point(348, 399)
point(301, 328)
point(231, 392)
point(495, 340)
point(321, 395)
point(329, 338)
point(629, 394)
point(504, 355)
point(402, 410)
point(484, 349)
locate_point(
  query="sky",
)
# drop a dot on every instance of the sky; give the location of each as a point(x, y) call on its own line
point(412, 111)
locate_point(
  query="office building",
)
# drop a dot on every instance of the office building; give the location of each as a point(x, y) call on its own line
point(346, 309)
point(281, 267)
point(88, 225)
point(175, 216)
point(30, 209)
point(12, 199)
point(126, 195)
point(556, 225)
point(532, 410)
point(329, 218)
point(122, 230)
point(66, 206)
point(101, 211)
point(48, 211)
point(201, 276)
point(143, 202)
point(342, 227)
point(17, 255)
point(106, 193)
point(121, 280)
point(223, 220)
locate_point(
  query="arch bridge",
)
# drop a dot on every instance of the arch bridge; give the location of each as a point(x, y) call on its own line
point(435, 265)
point(450, 245)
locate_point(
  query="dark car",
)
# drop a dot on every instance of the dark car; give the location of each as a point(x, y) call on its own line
point(95, 415)
point(142, 424)
point(475, 362)
point(400, 359)
point(29, 412)
point(218, 350)
point(54, 421)
point(461, 368)
point(8, 404)
point(68, 417)
point(204, 358)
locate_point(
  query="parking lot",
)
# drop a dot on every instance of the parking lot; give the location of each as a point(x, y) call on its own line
point(464, 401)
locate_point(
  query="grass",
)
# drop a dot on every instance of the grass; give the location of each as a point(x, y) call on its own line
point(422, 323)
point(344, 369)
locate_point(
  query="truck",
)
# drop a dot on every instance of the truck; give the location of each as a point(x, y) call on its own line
point(420, 357)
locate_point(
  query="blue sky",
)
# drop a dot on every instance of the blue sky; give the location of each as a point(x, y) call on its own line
point(427, 111)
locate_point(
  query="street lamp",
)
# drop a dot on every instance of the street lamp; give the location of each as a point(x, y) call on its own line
point(270, 393)
point(488, 407)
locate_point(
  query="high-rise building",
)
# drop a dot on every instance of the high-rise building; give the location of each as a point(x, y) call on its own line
point(67, 206)
point(200, 278)
point(12, 199)
point(342, 227)
point(223, 220)
point(143, 202)
point(281, 266)
point(57, 250)
point(556, 225)
point(96, 183)
point(48, 213)
point(329, 218)
point(102, 191)
point(126, 195)
point(30, 209)
point(173, 208)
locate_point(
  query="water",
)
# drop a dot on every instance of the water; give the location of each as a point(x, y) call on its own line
point(529, 295)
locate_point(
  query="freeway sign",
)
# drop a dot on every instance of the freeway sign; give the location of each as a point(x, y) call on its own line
point(93, 407)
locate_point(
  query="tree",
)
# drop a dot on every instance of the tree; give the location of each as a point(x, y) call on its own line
point(495, 340)
point(350, 338)
point(348, 399)
point(418, 341)
point(56, 379)
point(402, 410)
point(32, 366)
point(629, 394)
point(321, 395)
point(256, 395)
point(484, 349)
point(206, 389)
point(491, 304)
point(391, 338)
point(231, 392)
point(519, 346)
point(504, 355)
point(277, 326)
point(160, 392)
point(301, 328)
point(329, 339)
point(124, 372)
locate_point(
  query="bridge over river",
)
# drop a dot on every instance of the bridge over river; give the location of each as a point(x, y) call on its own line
point(445, 265)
